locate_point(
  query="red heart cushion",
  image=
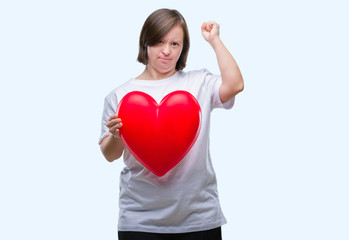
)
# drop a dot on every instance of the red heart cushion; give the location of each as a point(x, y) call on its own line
point(159, 135)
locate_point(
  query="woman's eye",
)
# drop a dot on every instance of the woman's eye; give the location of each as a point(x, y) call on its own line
point(175, 44)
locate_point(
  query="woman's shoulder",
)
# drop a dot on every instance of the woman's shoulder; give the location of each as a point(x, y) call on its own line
point(197, 72)
point(114, 93)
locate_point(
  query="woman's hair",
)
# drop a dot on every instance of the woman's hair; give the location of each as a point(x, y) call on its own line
point(155, 27)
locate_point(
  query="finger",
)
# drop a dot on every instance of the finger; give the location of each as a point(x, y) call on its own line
point(117, 132)
point(112, 117)
point(209, 27)
point(112, 130)
point(112, 122)
point(216, 25)
point(116, 120)
point(205, 27)
point(115, 127)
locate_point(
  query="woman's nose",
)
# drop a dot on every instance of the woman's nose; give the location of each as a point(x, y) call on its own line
point(166, 49)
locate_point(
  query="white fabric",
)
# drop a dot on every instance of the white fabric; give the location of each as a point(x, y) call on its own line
point(185, 199)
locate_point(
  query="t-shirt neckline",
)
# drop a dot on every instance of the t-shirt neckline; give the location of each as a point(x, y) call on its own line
point(154, 82)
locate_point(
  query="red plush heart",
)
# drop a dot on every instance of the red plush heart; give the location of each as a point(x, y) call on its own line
point(159, 135)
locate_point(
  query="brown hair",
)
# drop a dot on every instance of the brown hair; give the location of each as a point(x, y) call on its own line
point(155, 27)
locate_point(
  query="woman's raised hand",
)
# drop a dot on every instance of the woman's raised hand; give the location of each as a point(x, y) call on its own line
point(210, 31)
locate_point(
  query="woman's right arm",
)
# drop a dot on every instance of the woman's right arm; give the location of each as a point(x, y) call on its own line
point(113, 146)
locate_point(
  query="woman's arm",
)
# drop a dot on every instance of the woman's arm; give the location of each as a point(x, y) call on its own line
point(112, 146)
point(232, 81)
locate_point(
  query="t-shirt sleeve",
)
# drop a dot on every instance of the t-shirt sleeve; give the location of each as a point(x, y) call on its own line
point(214, 82)
point(110, 105)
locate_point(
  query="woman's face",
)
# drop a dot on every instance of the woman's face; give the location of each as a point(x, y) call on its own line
point(163, 56)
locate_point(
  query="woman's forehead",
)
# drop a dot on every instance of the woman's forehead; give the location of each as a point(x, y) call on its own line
point(176, 33)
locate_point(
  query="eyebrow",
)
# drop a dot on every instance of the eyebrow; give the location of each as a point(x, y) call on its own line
point(174, 40)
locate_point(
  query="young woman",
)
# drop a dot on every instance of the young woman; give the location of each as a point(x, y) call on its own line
point(182, 204)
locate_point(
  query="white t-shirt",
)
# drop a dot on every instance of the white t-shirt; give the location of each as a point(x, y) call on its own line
point(185, 199)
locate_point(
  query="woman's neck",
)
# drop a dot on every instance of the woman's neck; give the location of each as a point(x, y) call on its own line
point(151, 74)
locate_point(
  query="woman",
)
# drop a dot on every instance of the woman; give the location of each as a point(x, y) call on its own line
point(182, 204)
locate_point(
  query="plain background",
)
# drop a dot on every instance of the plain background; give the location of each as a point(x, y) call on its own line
point(281, 154)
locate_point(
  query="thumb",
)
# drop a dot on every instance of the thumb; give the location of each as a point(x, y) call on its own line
point(203, 26)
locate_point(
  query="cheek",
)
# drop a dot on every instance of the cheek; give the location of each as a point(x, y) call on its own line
point(179, 53)
point(151, 52)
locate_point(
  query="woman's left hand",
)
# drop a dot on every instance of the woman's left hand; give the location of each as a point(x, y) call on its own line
point(210, 31)
point(232, 82)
